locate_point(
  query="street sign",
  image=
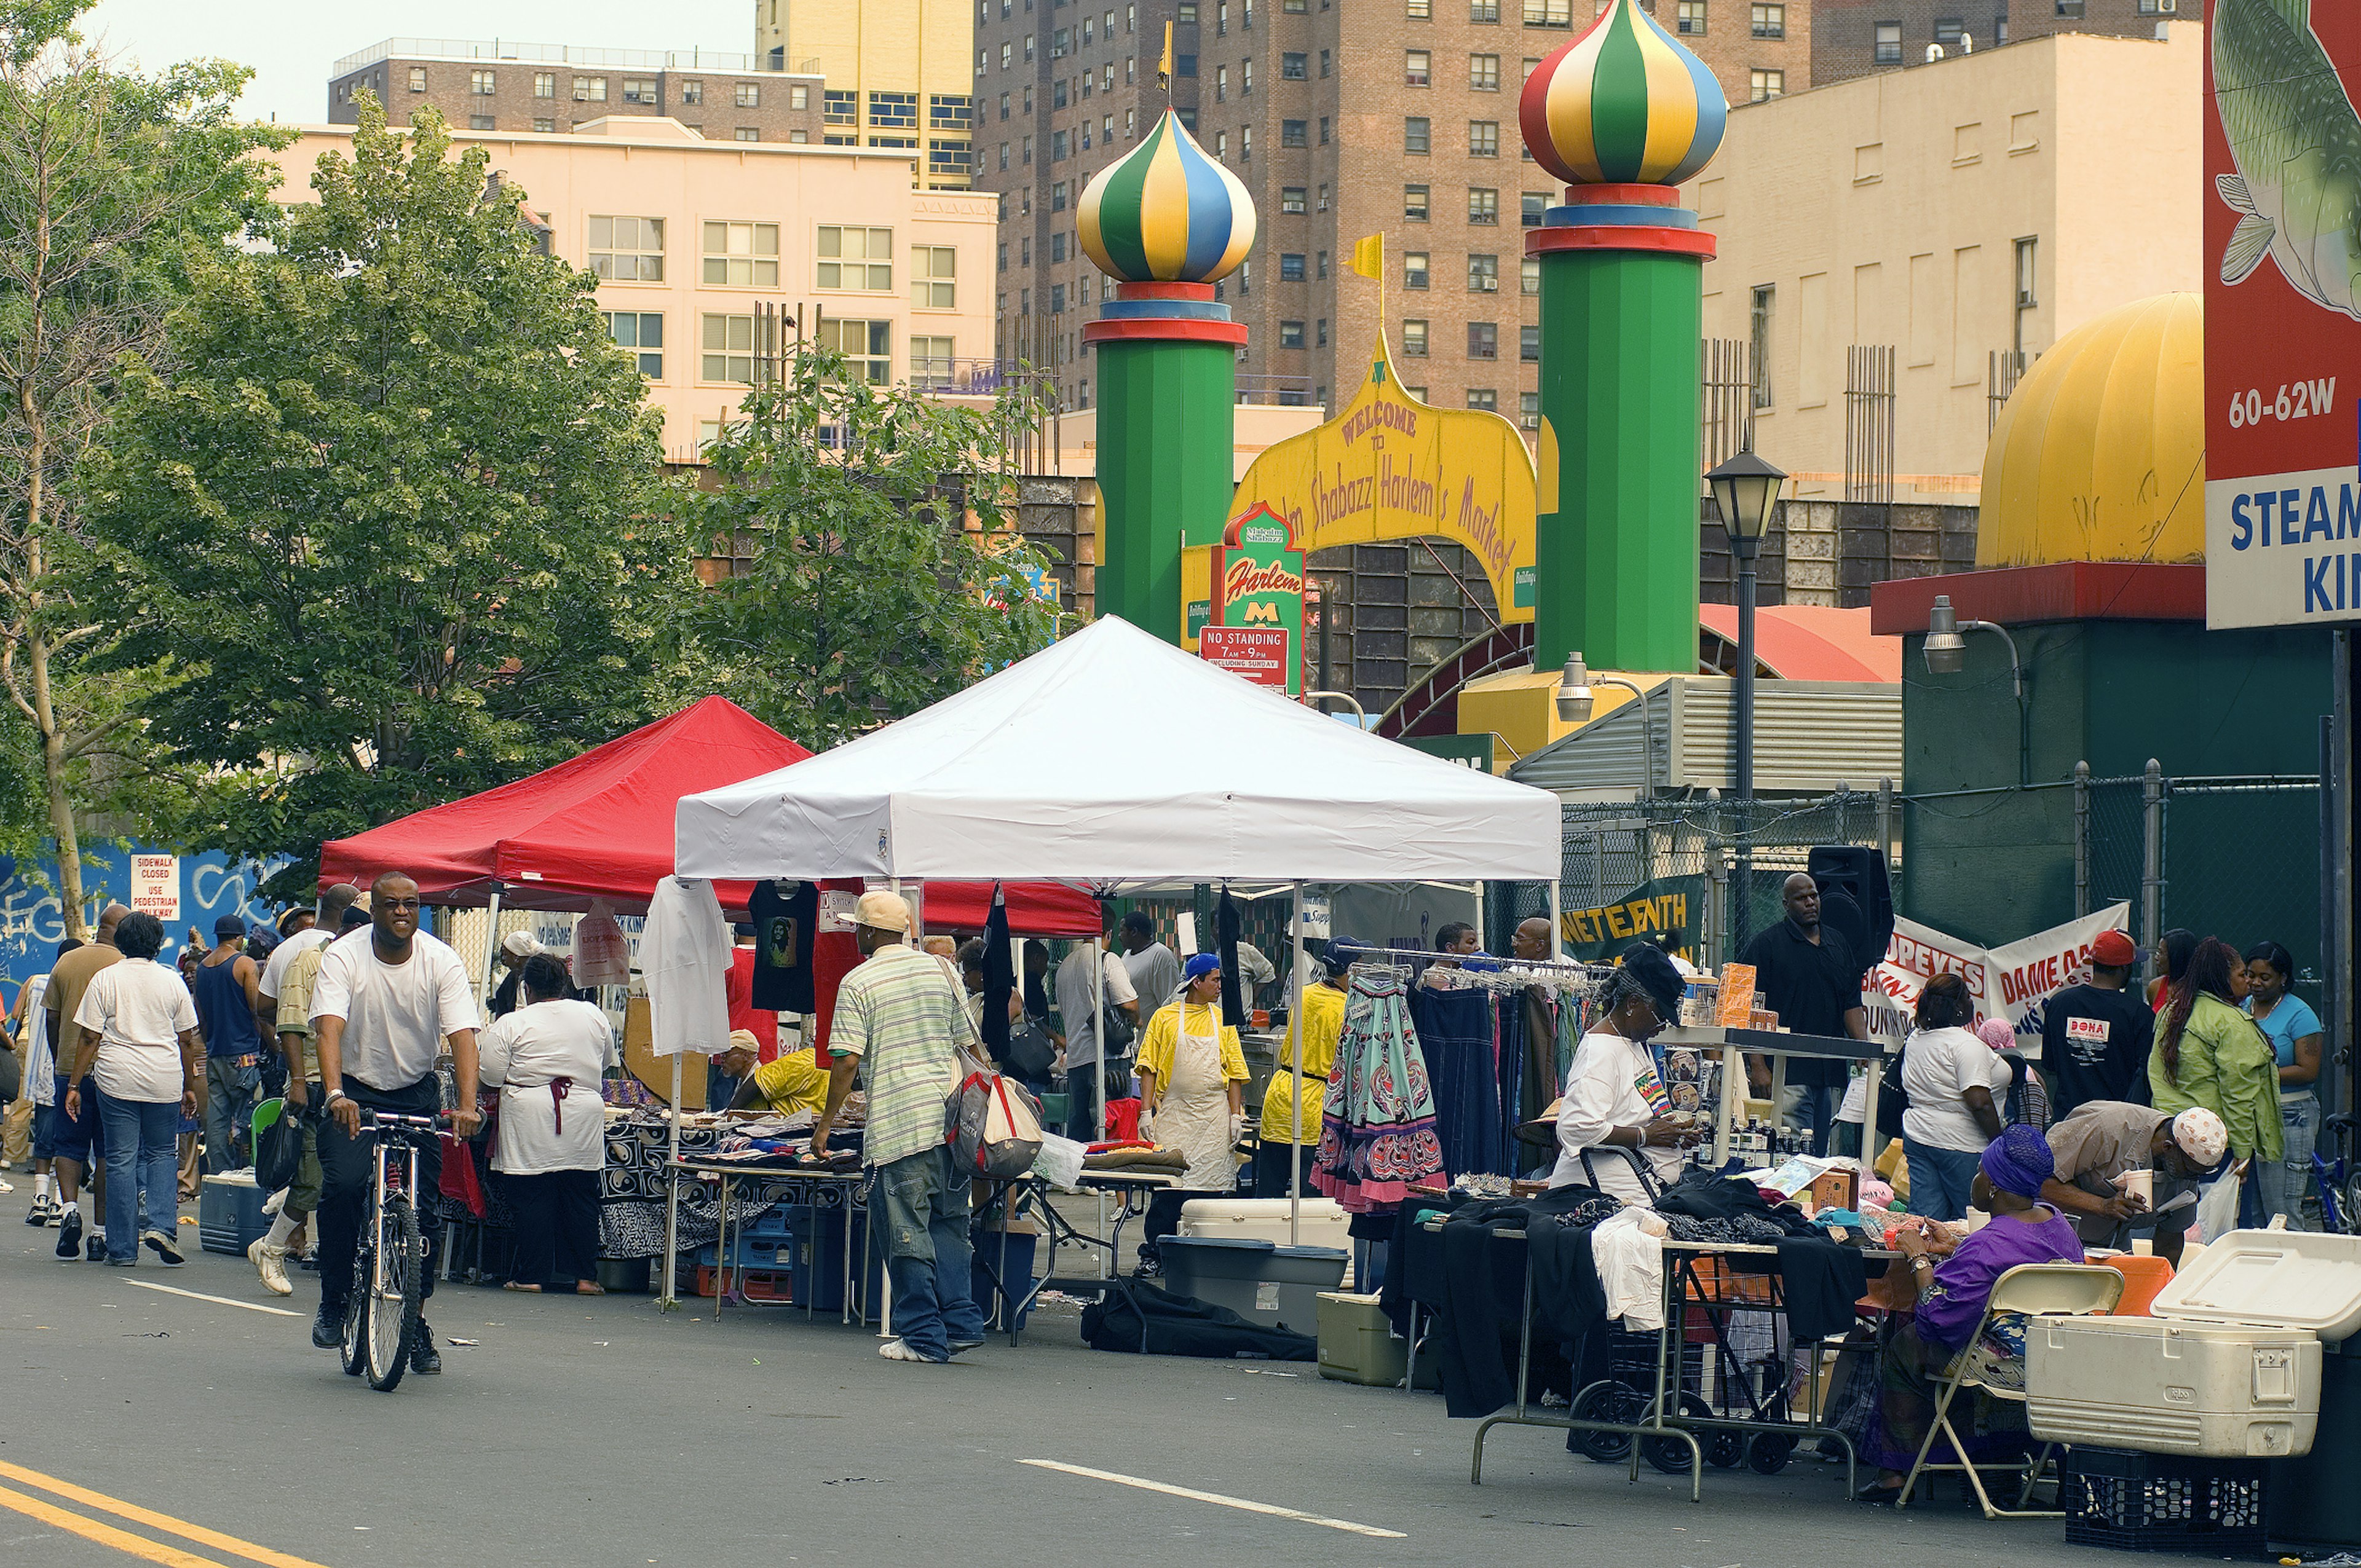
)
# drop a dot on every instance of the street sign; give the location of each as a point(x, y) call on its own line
point(156, 886)
point(1259, 653)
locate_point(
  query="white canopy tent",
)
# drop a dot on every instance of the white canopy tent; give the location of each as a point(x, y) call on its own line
point(1110, 758)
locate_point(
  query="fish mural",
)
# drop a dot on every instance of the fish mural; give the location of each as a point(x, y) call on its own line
point(2296, 141)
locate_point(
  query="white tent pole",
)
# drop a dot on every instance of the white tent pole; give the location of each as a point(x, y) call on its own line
point(1557, 923)
point(1098, 1023)
point(1477, 889)
point(672, 1198)
point(492, 947)
point(1295, 1117)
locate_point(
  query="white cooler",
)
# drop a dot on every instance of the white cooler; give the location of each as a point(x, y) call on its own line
point(1323, 1224)
point(2229, 1365)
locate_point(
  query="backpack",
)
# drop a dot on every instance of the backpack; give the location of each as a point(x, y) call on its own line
point(993, 1125)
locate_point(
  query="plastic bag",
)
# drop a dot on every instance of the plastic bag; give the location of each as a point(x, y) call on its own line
point(2217, 1206)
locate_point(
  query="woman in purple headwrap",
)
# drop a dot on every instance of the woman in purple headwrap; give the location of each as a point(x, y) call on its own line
point(1950, 1301)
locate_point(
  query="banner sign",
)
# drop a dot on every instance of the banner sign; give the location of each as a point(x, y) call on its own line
point(1599, 934)
point(2009, 981)
point(2282, 314)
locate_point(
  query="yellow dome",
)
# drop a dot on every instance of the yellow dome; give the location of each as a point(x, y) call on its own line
point(2099, 453)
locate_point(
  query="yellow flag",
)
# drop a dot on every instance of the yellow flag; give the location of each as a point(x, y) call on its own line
point(1369, 257)
point(1164, 65)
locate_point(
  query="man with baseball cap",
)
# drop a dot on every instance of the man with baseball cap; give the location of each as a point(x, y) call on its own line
point(2106, 1140)
point(2095, 1036)
point(900, 1020)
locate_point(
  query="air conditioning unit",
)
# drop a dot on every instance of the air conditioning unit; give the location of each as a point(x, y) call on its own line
point(1487, 285)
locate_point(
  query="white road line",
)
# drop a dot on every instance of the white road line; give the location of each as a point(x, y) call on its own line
point(1246, 1504)
point(219, 1301)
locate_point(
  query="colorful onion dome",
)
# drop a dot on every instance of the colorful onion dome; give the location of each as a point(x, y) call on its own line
point(1165, 213)
point(1623, 104)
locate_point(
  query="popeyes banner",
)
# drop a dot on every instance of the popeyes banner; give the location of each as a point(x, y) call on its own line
point(1389, 467)
point(2010, 981)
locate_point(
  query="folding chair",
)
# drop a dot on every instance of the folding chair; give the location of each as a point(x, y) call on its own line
point(2031, 1290)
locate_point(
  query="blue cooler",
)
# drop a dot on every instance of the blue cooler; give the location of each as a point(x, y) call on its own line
point(1270, 1286)
point(229, 1213)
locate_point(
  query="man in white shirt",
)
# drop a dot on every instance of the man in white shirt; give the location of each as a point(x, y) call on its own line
point(1155, 968)
point(385, 1003)
point(334, 902)
point(1083, 1053)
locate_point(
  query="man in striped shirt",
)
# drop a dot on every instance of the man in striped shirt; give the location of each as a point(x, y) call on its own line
point(900, 1015)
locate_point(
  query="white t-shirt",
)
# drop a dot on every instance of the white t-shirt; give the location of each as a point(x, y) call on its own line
point(1939, 1067)
point(1602, 1092)
point(685, 958)
point(1074, 1001)
point(139, 1010)
point(40, 1062)
point(396, 1015)
point(522, 1056)
point(274, 968)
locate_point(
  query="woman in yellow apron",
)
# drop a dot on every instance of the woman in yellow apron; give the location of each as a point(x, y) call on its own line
point(1193, 1077)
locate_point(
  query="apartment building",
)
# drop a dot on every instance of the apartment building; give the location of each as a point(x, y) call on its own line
point(694, 239)
point(1857, 37)
point(1404, 124)
point(898, 73)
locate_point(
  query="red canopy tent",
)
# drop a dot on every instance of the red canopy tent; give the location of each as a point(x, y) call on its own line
point(600, 826)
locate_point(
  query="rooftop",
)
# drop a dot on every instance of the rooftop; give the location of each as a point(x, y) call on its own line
point(560, 54)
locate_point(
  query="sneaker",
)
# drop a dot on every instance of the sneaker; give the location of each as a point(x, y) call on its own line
point(95, 1249)
point(70, 1235)
point(270, 1262)
point(113, 1262)
point(164, 1245)
point(424, 1359)
point(38, 1215)
point(273, 1204)
point(328, 1324)
point(961, 1347)
point(901, 1350)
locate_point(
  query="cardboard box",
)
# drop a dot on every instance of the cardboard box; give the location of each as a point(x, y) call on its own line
point(641, 1062)
point(1838, 1188)
point(1735, 1007)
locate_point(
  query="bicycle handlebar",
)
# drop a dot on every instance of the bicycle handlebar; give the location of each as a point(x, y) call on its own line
point(435, 1123)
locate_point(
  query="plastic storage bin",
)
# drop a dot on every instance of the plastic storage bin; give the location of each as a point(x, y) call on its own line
point(229, 1213)
point(1356, 1343)
point(2227, 1367)
point(2156, 1502)
point(1271, 1286)
point(1265, 1219)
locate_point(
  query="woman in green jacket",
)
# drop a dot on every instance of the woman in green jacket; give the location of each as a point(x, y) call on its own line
point(2209, 1053)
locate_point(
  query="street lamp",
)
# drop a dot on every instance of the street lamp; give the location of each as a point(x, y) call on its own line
point(1576, 700)
point(1946, 655)
point(1746, 490)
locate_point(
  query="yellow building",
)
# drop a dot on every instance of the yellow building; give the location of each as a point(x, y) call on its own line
point(702, 244)
point(1889, 246)
point(900, 73)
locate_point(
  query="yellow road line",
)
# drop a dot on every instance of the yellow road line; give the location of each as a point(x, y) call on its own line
point(198, 1534)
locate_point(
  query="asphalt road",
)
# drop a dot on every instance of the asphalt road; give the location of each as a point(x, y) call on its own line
point(603, 1432)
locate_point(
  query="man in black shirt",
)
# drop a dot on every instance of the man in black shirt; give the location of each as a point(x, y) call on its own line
point(1804, 973)
point(2095, 1037)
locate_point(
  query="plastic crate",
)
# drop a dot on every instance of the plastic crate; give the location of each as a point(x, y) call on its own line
point(776, 1285)
point(2163, 1502)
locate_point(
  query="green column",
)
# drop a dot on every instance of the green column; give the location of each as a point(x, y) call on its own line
point(1617, 553)
point(1167, 427)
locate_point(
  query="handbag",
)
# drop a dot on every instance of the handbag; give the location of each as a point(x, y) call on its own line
point(993, 1125)
point(1031, 1052)
point(278, 1150)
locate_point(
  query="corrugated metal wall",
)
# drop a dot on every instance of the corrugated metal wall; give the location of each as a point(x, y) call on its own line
point(1810, 737)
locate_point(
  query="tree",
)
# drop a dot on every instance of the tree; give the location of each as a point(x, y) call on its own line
point(108, 182)
point(884, 572)
point(398, 501)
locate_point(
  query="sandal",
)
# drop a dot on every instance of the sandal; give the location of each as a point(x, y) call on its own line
point(588, 1287)
point(520, 1284)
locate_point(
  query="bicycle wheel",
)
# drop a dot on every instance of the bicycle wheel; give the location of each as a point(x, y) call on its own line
point(2350, 1202)
point(393, 1312)
point(356, 1316)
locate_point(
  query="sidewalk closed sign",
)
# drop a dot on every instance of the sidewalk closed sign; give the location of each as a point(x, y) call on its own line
point(156, 886)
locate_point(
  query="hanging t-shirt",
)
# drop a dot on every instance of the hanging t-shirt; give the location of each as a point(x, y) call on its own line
point(783, 926)
point(834, 956)
point(685, 959)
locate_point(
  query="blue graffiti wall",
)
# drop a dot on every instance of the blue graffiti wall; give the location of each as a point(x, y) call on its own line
point(32, 922)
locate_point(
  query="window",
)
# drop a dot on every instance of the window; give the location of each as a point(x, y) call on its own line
point(627, 250)
point(1529, 410)
point(1221, 84)
point(1770, 20)
point(1324, 196)
point(1290, 334)
point(1184, 65)
point(1414, 340)
point(1889, 43)
point(590, 89)
point(1529, 276)
point(1007, 55)
point(480, 122)
point(798, 136)
point(930, 364)
point(1759, 343)
point(642, 90)
point(1418, 68)
point(750, 133)
point(1322, 270)
point(1415, 394)
point(482, 84)
point(1323, 65)
point(642, 333)
point(855, 257)
point(1323, 130)
point(545, 84)
point(1291, 267)
point(1058, 247)
point(418, 78)
point(2000, 30)
point(1483, 274)
point(951, 159)
point(1245, 143)
point(1484, 398)
point(1058, 197)
point(1535, 208)
point(948, 111)
point(1483, 340)
point(1220, 144)
point(1292, 67)
point(1529, 344)
point(1293, 7)
point(742, 256)
point(1692, 18)
point(1058, 146)
point(1414, 273)
point(1418, 133)
point(1483, 139)
point(1767, 84)
point(694, 92)
point(1420, 10)
point(1320, 338)
point(1294, 133)
point(1483, 205)
point(893, 111)
point(1414, 203)
point(1483, 10)
point(1290, 199)
point(798, 94)
point(1947, 32)
point(2025, 302)
point(1245, 76)
point(1187, 15)
point(1549, 12)
point(545, 126)
point(1483, 73)
point(840, 108)
point(727, 346)
point(867, 345)
point(1004, 106)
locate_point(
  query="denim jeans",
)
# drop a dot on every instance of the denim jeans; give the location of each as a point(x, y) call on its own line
point(1939, 1179)
point(142, 1161)
point(2282, 1187)
point(918, 1212)
point(231, 1089)
point(1810, 1108)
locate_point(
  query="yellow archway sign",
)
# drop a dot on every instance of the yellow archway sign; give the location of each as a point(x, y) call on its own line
point(1389, 467)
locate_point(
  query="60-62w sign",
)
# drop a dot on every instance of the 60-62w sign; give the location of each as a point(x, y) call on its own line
point(2296, 400)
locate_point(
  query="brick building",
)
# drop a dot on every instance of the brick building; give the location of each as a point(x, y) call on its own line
point(1857, 37)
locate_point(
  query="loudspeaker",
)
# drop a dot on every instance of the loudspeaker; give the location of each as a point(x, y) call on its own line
point(1856, 897)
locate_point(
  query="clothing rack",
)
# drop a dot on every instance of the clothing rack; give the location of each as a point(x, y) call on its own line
point(1567, 976)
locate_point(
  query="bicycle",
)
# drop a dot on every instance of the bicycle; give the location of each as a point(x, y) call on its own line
point(390, 1258)
point(2337, 1185)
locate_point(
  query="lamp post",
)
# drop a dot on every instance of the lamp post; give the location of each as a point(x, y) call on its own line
point(1746, 490)
point(1946, 655)
point(1575, 702)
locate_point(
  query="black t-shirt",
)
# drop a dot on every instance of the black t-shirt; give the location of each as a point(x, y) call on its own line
point(784, 927)
point(2095, 1046)
point(1811, 985)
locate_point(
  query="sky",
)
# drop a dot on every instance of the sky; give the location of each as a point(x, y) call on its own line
point(292, 45)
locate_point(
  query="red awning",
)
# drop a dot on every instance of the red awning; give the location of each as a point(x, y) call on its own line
point(600, 826)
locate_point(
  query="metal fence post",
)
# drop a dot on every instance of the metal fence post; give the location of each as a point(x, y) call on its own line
point(1886, 821)
point(2152, 859)
point(2081, 840)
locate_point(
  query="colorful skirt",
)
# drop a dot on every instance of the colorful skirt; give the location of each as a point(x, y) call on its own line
point(1377, 1130)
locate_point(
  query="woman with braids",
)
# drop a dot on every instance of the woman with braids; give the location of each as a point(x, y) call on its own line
point(2209, 1053)
point(1614, 1099)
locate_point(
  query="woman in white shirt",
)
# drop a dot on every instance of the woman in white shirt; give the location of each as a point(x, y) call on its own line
point(1614, 1100)
point(547, 1059)
point(1954, 1082)
point(136, 1033)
